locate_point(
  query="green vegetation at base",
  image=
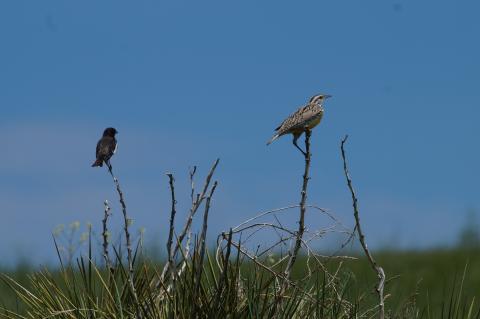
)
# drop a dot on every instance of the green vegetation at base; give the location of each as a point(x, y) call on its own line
point(420, 284)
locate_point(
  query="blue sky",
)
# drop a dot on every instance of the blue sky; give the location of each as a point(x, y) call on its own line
point(185, 82)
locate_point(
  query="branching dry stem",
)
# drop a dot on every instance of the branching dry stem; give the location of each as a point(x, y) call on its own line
point(171, 266)
point(105, 235)
point(195, 205)
point(358, 227)
point(301, 220)
point(126, 222)
point(202, 240)
point(171, 262)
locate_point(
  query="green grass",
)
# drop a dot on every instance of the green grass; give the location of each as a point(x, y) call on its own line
point(427, 276)
point(428, 283)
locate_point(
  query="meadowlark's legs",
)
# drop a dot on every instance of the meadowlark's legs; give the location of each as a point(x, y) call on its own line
point(295, 138)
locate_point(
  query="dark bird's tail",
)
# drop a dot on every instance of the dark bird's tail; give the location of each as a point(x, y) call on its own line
point(98, 162)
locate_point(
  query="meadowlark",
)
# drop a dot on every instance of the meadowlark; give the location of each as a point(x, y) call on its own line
point(106, 147)
point(305, 118)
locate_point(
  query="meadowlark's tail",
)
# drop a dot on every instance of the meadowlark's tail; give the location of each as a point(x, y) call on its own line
point(273, 139)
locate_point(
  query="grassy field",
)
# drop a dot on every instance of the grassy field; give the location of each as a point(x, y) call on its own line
point(427, 278)
point(422, 280)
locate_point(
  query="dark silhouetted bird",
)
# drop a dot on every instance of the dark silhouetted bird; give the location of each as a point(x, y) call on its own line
point(106, 147)
point(306, 117)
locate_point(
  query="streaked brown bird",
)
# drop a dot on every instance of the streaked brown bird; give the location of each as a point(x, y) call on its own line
point(306, 117)
point(106, 147)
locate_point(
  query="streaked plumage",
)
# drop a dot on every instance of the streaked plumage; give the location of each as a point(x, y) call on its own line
point(306, 117)
point(106, 147)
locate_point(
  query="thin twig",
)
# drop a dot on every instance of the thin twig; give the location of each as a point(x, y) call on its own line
point(301, 221)
point(192, 183)
point(105, 234)
point(202, 240)
point(283, 209)
point(254, 259)
point(126, 221)
point(171, 262)
point(373, 263)
point(293, 253)
point(264, 214)
point(196, 202)
point(195, 205)
point(223, 274)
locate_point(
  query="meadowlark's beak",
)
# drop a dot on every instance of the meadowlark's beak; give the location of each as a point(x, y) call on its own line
point(326, 96)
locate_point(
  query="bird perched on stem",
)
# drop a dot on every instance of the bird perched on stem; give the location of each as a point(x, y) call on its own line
point(305, 118)
point(106, 147)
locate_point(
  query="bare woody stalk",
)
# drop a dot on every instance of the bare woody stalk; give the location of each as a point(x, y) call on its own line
point(301, 220)
point(196, 202)
point(106, 256)
point(195, 205)
point(126, 221)
point(223, 275)
point(293, 253)
point(358, 227)
point(192, 183)
point(171, 263)
point(202, 241)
